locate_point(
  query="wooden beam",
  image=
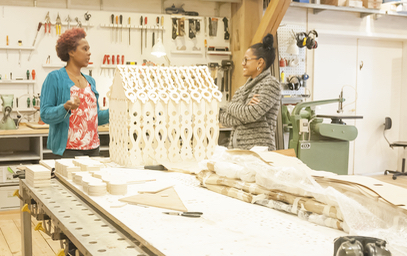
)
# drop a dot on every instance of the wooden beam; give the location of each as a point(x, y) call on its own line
point(246, 18)
point(271, 20)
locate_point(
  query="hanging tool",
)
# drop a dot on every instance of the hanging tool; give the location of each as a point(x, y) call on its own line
point(122, 59)
point(7, 45)
point(58, 25)
point(112, 19)
point(191, 32)
point(153, 40)
point(225, 23)
point(227, 66)
point(35, 38)
point(158, 26)
point(87, 16)
point(117, 29)
point(174, 28)
point(121, 27)
point(181, 27)
point(78, 22)
point(145, 23)
point(206, 48)
point(129, 28)
point(141, 33)
point(33, 74)
point(162, 29)
point(118, 59)
point(112, 59)
point(68, 20)
point(47, 23)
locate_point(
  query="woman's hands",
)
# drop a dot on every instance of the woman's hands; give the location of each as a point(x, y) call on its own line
point(254, 100)
point(72, 104)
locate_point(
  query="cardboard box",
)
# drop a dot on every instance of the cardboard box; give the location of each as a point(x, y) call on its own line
point(334, 2)
point(372, 4)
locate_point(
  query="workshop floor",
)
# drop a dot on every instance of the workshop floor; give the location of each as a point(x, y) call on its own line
point(10, 228)
point(10, 237)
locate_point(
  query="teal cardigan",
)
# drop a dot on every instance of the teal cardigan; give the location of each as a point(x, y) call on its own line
point(55, 91)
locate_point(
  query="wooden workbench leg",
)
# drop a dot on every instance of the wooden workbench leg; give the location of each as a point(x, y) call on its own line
point(26, 235)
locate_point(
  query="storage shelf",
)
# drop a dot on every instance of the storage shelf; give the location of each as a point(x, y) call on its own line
point(17, 81)
point(218, 53)
point(108, 66)
point(28, 48)
point(362, 11)
point(19, 156)
point(187, 52)
point(104, 148)
point(60, 66)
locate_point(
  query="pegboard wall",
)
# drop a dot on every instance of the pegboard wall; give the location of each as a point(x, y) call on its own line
point(285, 35)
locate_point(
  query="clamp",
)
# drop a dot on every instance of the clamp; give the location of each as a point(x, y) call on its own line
point(58, 25)
point(47, 23)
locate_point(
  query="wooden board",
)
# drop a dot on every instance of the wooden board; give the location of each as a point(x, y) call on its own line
point(388, 192)
point(23, 129)
point(37, 125)
point(167, 199)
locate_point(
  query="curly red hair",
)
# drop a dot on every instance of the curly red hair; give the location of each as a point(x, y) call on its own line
point(68, 41)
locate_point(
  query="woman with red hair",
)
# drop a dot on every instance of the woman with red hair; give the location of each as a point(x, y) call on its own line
point(69, 100)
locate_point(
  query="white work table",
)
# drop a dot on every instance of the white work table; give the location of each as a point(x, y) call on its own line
point(227, 227)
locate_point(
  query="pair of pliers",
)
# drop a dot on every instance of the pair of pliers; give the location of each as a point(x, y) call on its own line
point(185, 214)
point(58, 25)
point(47, 23)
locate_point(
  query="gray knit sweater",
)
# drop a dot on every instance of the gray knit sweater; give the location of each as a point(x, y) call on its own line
point(253, 125)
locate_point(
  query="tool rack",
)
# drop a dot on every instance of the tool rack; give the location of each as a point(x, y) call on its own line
point(67, 217)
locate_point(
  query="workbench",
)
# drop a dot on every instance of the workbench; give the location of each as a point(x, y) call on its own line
point(227, 227)
point(28, 145)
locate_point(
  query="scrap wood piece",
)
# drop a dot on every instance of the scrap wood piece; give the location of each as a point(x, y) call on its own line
point(310, 204)
point(167, 199)
point(388, 192)
point(231, 192)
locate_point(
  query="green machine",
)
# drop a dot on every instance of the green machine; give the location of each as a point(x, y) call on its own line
point(321, 146)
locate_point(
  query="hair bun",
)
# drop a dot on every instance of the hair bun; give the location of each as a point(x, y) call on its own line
point(268, 41)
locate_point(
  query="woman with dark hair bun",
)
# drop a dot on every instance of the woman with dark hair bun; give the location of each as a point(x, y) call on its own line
point(69, 100)
point(253, 110)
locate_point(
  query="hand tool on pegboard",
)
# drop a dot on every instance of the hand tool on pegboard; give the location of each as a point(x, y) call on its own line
point(118, 59)
point(152, 45)
point(129, 28)
point(68, 20)
point(145, 23)
point(121, 27)
point(58, 25)
point(225, 23)
point(174, 28)
point(117, 28)
point(141, 33)
point(157, 20)
point(227, 66)
point(206, 48)
point(213, 26)
point(78, 22)
point(35, 38)
point(191, 31)
point(112, 20)
point(47, 23)
point(87, 16)
point(181, 27)
point(7, 45)
point(162, 29)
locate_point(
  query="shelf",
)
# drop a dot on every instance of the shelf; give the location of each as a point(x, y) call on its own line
point(317, 8)
point(103, 148)
point(28, 48)
point(60, 66)
point(17, 81)
point(187, 52)
point(19, 156)
point(218, 53)
point(108, 66)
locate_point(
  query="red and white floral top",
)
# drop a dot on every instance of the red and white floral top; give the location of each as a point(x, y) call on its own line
point(83, 122)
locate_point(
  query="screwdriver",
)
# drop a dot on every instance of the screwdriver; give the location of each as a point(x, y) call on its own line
point(141, 33)
point(129, 29)
point(7, 45)
point(112, 27)
point(158, 26)
point(35, 38)
point(121, 28)
point(118, 59)
point(162, 27)
point(117, 29)
point(145, 23)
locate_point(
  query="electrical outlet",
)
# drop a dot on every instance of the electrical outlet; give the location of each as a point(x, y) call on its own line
point(304, 125)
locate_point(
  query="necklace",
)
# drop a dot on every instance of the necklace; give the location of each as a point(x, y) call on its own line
point(74, 76)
